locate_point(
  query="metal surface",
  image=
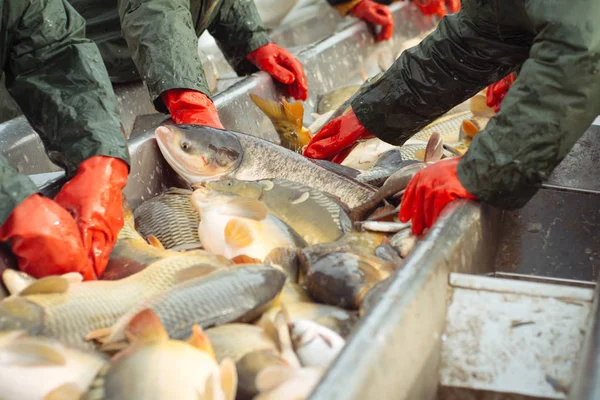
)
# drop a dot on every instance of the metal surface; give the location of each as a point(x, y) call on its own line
point(507, 336)
point(556, 234)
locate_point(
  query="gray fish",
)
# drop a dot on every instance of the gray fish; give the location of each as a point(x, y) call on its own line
point(228, 295)
point(309, 212)
point(170, 217)
point(374, 295)
point(387, 163)
point(202, 154)
point(403, 242)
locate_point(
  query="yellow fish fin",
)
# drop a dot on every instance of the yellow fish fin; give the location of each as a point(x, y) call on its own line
point(146, 325)
point(238, 234)
point(66, 391)
point(16, 281)
point(470, 128)
point(194, 272)
point(245, 207)
point(244, 259)
point(154, 242)
point(117, 346)
point(272, 109)
point(229, 378)
point(420, 154)
point(98, 334)
point(200, 340)
point(31, 353)
point(49, 284)
point(294, 112)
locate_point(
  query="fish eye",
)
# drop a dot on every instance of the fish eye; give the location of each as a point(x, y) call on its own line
point(185, 146)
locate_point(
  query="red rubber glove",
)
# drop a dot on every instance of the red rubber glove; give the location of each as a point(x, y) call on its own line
point(430, 7)
point(95, 200)
point(282, 66)
point(188, 106)
point(376, 14)
point(429, 191)
point(45, 239)
point(336, 139)
point(495, 93)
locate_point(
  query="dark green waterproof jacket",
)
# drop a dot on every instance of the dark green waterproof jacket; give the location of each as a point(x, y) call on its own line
point(58, 79)
point(554, 100)
point(157, 40)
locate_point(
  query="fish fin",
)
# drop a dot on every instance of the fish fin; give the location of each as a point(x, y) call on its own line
point(244, 259)
point(66, 391)
point(271, 377)
point(337, 168)
point(200, 340)
point(32, 354)
point(117, 346)
point(49, 284)
point(420, 154)
point(315, 115)
point(154, 242)
point(470, 128)
point(16, 281)
point(194, 272)
point(245, 207)
point(197, 185)
point(271, 108)
point(98, 334)
point(229, 378)
point(146, 325)
point(269, 328)
point(128, 218)
point(73, 277)
point(238, 234)
point(285, 341)
point(294, 112)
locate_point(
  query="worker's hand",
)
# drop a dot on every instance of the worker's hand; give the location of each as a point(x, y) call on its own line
point(495, 93)
point(45, 239)
point(376, 14)
point(439, 7)
point(282, 66)
point(188, 106)
point(429, 191)
point(95, 200)
point(336, 139)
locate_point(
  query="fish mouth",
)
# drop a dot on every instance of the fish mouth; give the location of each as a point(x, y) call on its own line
point(166, 137)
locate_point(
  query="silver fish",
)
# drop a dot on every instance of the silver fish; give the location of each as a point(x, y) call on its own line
point(202, 154)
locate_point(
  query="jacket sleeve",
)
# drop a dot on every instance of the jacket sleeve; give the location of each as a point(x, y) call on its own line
point(239, 31)
point(59, 80)
point(547, 109)
point(162, 41)
point(449, 66)
point(344, 6)
point(14, 188)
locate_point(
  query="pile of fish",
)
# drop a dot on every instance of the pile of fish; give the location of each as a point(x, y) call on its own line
point(248, 281)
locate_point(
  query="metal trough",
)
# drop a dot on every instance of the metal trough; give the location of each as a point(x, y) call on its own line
point(404, 348)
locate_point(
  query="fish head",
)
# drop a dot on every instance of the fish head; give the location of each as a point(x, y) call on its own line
point(204, 198)
point(18, 313)
point(249, 189)
point(302, 332)
point(199, 153)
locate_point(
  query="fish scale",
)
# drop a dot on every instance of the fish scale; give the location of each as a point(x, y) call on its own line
point(223, 296)
point(88, 306)
point(449, 126)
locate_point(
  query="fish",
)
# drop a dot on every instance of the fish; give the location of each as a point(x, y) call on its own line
point(387, 253)
point(170, 217)
point(75, 309)
point(212, 298)
point(309, 212)
point(234, 226)
point(200, 154)
point(287, 120)
point(388, 163)
point(403, 242)
point(235, 340)
point(315, 345)
point(397, 182)
point(448, 126)
point(366, 153)
point(156, 367)
point(384, 226)
point(292, 293)
point(33, 368)
point(287, 259)
point(373, 296)
point(250, 365)
point(275, 383)
point(337, 319)
point(342, 278)
point(331, 101)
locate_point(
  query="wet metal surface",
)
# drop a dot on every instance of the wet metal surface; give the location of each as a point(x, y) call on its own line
point(556, 234)
point(579, 169)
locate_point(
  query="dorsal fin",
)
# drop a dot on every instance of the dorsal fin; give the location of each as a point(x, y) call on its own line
point(49, 284)
point(16, 281)
point(154, 242)
point(146, 325)
point(229, 378)
point(294, 112)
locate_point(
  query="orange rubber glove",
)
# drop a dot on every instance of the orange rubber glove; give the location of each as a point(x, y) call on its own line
point(495, 93)
point(430, 7)
point(94, 198)
point(188, 106)
point(282, 66)
point(376, 14)
point(45, 239)
point(429, 191)
point(336, 139)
